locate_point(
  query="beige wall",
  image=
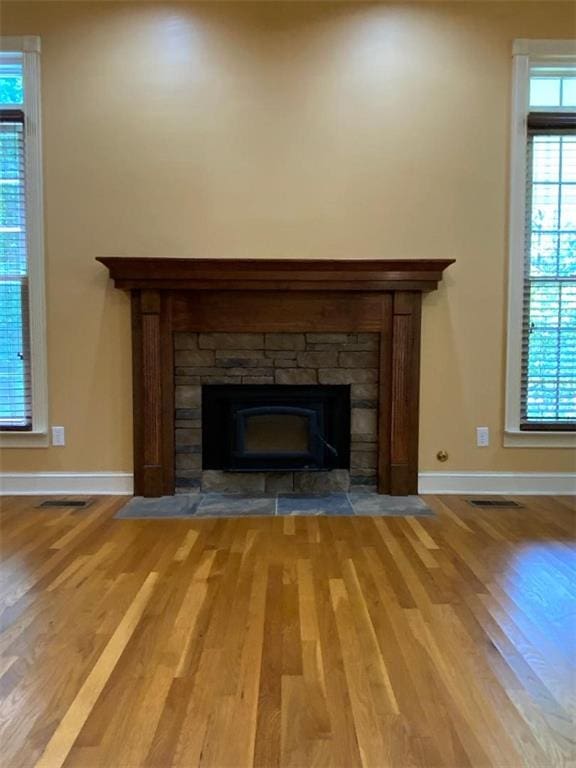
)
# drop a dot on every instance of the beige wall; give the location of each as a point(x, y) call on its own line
point(283, 130)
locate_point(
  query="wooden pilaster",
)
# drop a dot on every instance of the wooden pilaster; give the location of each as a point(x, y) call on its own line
point(405, 392)
point(147, 392)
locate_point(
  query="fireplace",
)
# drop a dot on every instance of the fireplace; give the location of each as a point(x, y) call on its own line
point(270, 298)
point(275, 412)
point(271, 428)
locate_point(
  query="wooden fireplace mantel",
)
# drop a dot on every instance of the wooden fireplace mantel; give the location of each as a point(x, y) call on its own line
point(277, 275)
point(263, 296)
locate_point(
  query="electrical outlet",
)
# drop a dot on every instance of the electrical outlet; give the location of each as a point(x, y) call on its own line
point(58, 436)
point(482, 437)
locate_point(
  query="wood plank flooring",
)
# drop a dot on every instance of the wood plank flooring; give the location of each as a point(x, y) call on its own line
point(304, 642)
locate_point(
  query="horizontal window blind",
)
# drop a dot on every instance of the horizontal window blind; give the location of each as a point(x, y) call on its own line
point(548, 390)
point(15, 364)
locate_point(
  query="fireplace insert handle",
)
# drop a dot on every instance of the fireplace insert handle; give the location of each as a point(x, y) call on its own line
point(331, 448)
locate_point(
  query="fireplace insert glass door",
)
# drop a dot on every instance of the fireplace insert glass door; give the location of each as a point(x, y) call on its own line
point(276, 429)
point(273, 427)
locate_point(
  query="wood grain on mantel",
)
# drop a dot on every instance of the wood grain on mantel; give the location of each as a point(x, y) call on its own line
point(279, 274)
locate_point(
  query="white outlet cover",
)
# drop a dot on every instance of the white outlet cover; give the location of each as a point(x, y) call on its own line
point(482, 437)
point(58, 436)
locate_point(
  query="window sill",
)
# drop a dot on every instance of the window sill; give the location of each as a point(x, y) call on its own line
point(24, 440)
point(514, 438)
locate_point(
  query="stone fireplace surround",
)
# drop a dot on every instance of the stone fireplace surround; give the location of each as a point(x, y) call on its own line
point(303, 297)
point(275, 358)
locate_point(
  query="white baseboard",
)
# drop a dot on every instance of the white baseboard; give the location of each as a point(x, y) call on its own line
point(65, 483)
point(120, 483)
point(513, 483)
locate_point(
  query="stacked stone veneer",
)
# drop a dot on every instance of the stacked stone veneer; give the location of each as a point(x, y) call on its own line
point(275, 358)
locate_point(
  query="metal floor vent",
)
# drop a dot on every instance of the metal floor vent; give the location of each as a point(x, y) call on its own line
point(64, 503)
point(506, 503)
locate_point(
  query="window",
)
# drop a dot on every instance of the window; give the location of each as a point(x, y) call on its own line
point(541, 376)
point(23, 400)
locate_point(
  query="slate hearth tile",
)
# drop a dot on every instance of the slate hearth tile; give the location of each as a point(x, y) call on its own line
point(235, 505)
point(141, 508)
point(314, 504)
point(363, 483)
point(366, 503)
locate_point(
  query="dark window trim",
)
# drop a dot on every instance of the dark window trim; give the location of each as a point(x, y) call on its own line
point(551, 121)
point(547, 426)
point(11, 116)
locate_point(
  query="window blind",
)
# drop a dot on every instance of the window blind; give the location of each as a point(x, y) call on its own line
point(15, 364)
point(548, 389)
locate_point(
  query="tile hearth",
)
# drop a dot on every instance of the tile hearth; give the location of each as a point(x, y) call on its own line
point(210, 505)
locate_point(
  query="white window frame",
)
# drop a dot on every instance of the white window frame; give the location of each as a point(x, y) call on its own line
point(525, 53)
point(29, 46)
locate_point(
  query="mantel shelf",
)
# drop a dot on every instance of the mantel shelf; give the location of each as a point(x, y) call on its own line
point(281, 274)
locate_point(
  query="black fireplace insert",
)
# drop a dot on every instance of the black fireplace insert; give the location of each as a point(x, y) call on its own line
point(261, 427)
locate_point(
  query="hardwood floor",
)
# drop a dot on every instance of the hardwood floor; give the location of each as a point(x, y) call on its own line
point(444, 641)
